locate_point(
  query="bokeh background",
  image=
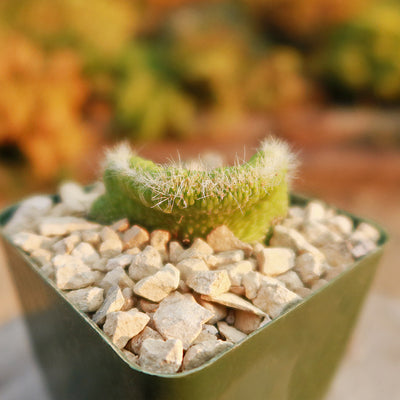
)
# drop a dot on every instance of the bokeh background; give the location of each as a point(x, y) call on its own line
point(216, 76)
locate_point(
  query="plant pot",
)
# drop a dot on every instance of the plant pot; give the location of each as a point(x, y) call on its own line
point(292, 357)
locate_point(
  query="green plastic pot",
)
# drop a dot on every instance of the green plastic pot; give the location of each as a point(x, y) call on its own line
point(292, 358)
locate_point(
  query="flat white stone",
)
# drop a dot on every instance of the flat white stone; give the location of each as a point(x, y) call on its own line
point(362, 248)
point(209, 282)
point(114, 301)
point(222, 239)
point(92, 237)
point(110, 248)
point(208, 332)
point(117, 276)
point(303, 292)
point(135, 237)
point(252, 283)
point(67, 244)
point(198, 249)
point(86, 253)
point(54, 226)
point(233, 301)
point(107, 233)
point(87, 300)
point(180, 317)
point(28, 214)
point(246, 322)
point(161, 357)
point(175, 250)
point(136, 342)
point(368, 231)
point(202, 352)
point(274, 261)
point(319, 234)
point(341, 224)
point(191, 265)
point(218, 310)
point(158, 286)
point(42, 256)
point(132, 358)
point(230, 333)
point(291, 280)
point(121, 326)
point(237, 270)
point(310, 267)
point(75, 198)
point(28, 241)
point(338, 254)
point(130, 299)
point(315, 211)
point(122, 261)
point(72, 273)
point(146, 263)
point(159, 240)
point(120, 226)
point(273, 298)
point(224, 258)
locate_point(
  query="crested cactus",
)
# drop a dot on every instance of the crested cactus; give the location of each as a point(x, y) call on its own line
point(247, 198)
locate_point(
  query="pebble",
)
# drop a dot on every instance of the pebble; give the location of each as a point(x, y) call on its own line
point(132, 358)
point(121, 326)
point(233, 301)
point(319, 284)
point(87, 300)
point(136, 342)
point(303, 292)
point(274, 299)
point(338, 254)
point(92, 237)
point(146, 263)
point(202, 352)
point(175, 250)
point(135, 237)
point(114, 301)
point(75, 198)
point(159, 240)
point(28, 241)
point(158, 286)
point(223, 239)
point(161, 357)
point(251, 283)
point(219, 311)
point(274, 261)
point(130, 299)
point(72, 273)
point(208, 332)
point(148, 306)
point(198, 249)
point(120, 226)
point(122, 261)
point(368, 231)
point(291, 280)
point(340, 224)
point(314, 211)
point(180, 317)
point(209, 282)
point(67, 244)
point(110, 248)
point(237, 270)
point(319, 234)
point(230, 333)
point(41, 256)
point(246, 322)
point(60, 226)
point(117, 276)
point(310, 267)
point(191, 265)
point(86, 253)
point(224, 258)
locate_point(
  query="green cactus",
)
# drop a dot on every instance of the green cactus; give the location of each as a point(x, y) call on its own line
point(247, 198)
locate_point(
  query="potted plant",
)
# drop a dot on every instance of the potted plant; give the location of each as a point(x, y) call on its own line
point(291, 355)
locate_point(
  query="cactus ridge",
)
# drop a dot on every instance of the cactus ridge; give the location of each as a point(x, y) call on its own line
point(190, 202)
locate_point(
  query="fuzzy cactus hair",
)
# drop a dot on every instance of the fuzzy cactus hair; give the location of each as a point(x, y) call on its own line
point(247, 198)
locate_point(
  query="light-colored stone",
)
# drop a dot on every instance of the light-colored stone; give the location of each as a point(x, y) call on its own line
point(87, 300)
point(230, 317)
point(120, 226)
point(110, 248)
point(28, 241)
point(274, 261)
point(161, 357)
point(246, 322)
point(158, 286)
point(148, 306)
point(181, 317)
point(222, 239)
point(291, 280)
point(67, 244)
point(86, 253)
point(208, 332)
point(198, 249)
point(159, 240)
point(28, 214)
point(274, 298)
point(135, 237)
point(75, 198)
point(310, 267)
point(175, 250)
point(303, 292)
point(136, 342)
point(191, 265)
point(340, 224)
point(237, 270)
point(209, 282)
point(117, 276)
point(107, 233)
point(333, 272)
point(368, 231)
point(218, 310)
point(337, 254)
point(239, 290)
point(92, 237)
point(202, 352)
point(224, 258)
point(60, 226)
point(132, 251)
point(296, 212)
point(233, 301)
point(72, 273)
point(183, 288)
point(251, 283)
point(362, 248)
point(315, 211)
point(319, 284)
point(42, 256)
point(146, 263)
point(122, 261)
point(319, 234)
point(48, 271)
point(230, 333)
point(114, 301)
point(121, 326)
point(132, 358)
point(130, 299)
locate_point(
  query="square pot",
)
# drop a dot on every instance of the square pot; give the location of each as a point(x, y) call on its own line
point(292, 358)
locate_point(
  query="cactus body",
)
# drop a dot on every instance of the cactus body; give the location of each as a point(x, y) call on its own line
point(247, 198)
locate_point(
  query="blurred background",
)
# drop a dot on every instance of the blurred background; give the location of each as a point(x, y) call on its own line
point(216, 76)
